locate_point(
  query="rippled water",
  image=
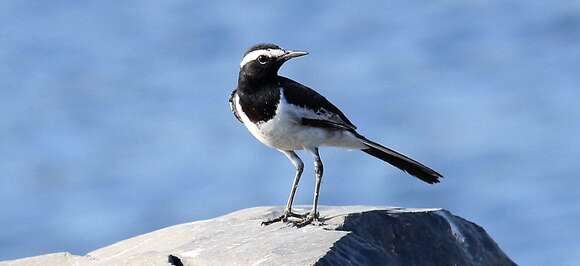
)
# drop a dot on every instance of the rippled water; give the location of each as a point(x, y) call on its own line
point(114, 118)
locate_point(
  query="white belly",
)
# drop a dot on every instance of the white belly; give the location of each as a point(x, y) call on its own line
point(286, 132)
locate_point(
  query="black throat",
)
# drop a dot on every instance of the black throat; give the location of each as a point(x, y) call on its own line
point(259, 99)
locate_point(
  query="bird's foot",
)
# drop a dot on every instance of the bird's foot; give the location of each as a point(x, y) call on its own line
point(284, 217)
point(312, 218)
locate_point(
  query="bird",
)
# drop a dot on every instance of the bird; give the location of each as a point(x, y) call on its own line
point(288, 116)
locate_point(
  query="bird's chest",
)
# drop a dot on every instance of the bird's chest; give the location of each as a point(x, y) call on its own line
point(275, 126)
point(260, 106)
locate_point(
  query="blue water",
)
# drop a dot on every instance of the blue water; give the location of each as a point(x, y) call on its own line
point(114, 118)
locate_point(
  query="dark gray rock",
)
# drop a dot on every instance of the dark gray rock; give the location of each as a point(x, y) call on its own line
point(400, 237)
point(353, 235)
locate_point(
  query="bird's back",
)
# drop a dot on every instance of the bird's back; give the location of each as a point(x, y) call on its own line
point(305, 97)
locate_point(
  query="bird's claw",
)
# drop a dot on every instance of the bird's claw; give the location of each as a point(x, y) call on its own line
point(311, 218)
point(284, 217)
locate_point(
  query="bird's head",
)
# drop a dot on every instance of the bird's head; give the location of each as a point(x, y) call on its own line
point(262, 61)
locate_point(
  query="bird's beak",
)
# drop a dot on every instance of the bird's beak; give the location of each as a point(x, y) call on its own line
point(291, 54)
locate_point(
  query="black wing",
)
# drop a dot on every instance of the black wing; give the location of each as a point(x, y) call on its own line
point(322, 113)
point(233, 106)
point(325, 124)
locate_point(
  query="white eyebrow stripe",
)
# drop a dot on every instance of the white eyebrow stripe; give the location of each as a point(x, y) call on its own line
point(254, 54)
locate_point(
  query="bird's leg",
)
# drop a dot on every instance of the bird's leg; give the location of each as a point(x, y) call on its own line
point(313, 216)
point(299, 165)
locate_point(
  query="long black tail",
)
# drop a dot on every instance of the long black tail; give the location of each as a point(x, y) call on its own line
point(400, 161)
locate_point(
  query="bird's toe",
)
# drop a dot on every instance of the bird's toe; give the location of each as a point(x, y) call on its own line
point(285, 218)
point(311, 218)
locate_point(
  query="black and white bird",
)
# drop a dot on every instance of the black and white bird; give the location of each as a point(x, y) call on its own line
point(288, 116)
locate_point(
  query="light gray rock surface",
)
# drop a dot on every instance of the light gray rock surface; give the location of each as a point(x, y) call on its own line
point(352, 235)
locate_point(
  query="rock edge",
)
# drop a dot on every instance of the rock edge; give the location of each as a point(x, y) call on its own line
point(350, 235)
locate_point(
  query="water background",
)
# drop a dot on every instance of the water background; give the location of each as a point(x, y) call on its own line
point(114, 118)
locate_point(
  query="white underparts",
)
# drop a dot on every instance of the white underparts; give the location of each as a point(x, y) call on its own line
point(285, 130)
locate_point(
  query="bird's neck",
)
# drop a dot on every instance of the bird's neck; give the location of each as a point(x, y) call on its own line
point(249, 84)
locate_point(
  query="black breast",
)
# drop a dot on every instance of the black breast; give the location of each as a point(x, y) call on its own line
point(260, 106)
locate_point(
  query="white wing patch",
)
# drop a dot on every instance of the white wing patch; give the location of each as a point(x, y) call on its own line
point(325, 115)
point(251, 56)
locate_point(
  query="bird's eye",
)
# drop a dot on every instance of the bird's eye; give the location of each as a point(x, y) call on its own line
point(262, 59)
